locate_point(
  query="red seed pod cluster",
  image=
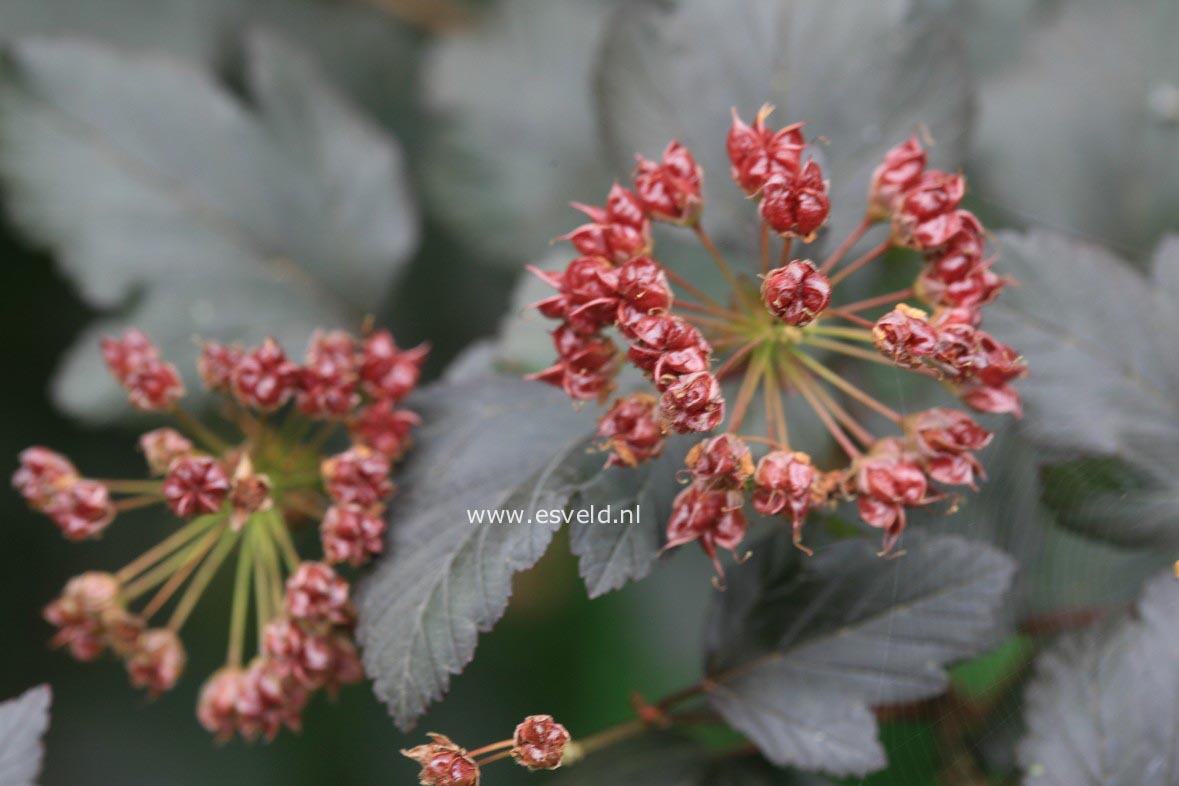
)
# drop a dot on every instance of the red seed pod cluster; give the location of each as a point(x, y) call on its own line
point(239, 486)
point(538, 743)
point(670, 189)
point(152, 384)
point(797, 339)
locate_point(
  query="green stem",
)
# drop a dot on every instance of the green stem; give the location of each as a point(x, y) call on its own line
point(185, 534)
point(241, 594)
point(192, 558)
point(848, 387)
point(199, 430)
point(285, 543)
point(201, 581)
point(852, 334)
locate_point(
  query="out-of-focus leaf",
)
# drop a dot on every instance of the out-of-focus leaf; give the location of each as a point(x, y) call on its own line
point(167, 199)
point(1104, 378)
point(1080, 132)
point(488, 444)
point(23, 722)
point(516, 139)
point(862, 75)
point(1101, 710)
point(612, 553)
point(798, 655)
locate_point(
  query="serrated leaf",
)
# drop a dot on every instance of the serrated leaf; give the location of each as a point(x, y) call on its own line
point(507, 161)
point(1101, 710)
point(1112, 177)
point(488, 444)
point(23, 722)
point(166, 198)
point(1104, 378)
point(797, 655)
point(862, 75)
point(613, 553)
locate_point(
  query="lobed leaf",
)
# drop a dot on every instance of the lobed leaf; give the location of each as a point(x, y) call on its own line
point(23, 722)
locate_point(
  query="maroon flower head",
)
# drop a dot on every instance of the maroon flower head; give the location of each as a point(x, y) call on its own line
point(384, 428)
point(358, 475)
point(316, 660)
point(886, 482)
point(796, 205)
point(42, 474)
point(83, 510)
point(268, 698)
point(587, 297)
point(351, 533)
point(616, 232)
point(670, 189)
point(157, 661)
point(928, 215)
point(326, 385)
point(667, 348)
point(217, 705)
point(80, 612)
point(796, 292)
point(443, 763)
point(316, 596)
point(904, 335)
point(900, 171)
point(714, 518)
point(585, 367)
point(539, 743)
point(154, 387)
point(195, 485)
point(264, 378)
point(216, 364)
point(631, 430)
point(387, 372)
point(693, 403)
point(129, 354)
point(162, 446)
point(642, 290)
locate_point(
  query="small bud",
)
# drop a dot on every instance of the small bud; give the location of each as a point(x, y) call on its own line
point(42, 474)
point(586, 365)
point(195, 485)
point(83, 510)
point(904, 335)
point(900, 171)
point(217, 363)
point(631, 430)
point(217, 706)
point(387, 372)
point(249, 493)
point(126, 355)
point(756, 152)
point(385, 429)
point(796, 205)
point(539, 743)
point(154, 387)
point(713, 517)
point(264, 379)
point(643, 289)
point(326, 385)
point(796, 292)
point(784, 481)
point(79, 612)
point(443, 763)
point(693, 403)
point(667, 348)
point(157, 661)
point(162, 446)
point(268, 698)
point(316, 595)
point(359, 476)
point(351, 533)
point(670, 190)
point(724, 460)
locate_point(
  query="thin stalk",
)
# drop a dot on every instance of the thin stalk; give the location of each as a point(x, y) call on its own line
point(320, 438)
point(797, 376)
point(848, 387)
point(853, 318)
point(263, 597)
point(241, 604)
point(731, 362)
point(688, 305)
point(610, 736)
point(286, 544)
point(273, 569)
point(774, 405)
point(199, 430)
point(691, 288)
point(846, 245)
point(745, 394)
point(717, 257)
point(765, 248)
point(859, 263)
point(131, 486)
point(849, 350)
point(853, 334)
point(880, 300)
point(131, 503)
point(166, 546)
point(492, 747)
point(497, 757)
point(180, 576)
point(201, 581)
point(842, 415)
point(708, 322)
point(787, 244)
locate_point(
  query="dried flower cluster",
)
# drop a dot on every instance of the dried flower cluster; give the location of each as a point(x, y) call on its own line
point(539, 743)
point(781, 336)
point(243, 494)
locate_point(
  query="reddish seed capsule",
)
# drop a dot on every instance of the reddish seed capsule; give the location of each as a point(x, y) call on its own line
point(316, 595)
point(714, 518)
point(945, 439)
point(631, 430)
point(80, 611)
point(886, 481)
point(156, 661)
point(796, 205)
point(670, 189)
point(41, 475)
point(217, 705)
point(900, 171)
point(83, 510)
point(443, 763)
point(724, 460)
point(195, 485)
point(783, 482)
point(617, 232)
point(359, 476)
point(162, 446)
point(796, 293)
point(352, 534)
point(264, 379)
point(154, 387)
point(693, 403)
point(387, 372)
point(667, 348)
point(216, 364)
point(539, 743)
point(316, 660)
point(642, 290)
point(756, 152)
point(268, 698)
point(904, 335)
point(927, 216)
point(385, 429)
point(326, 385)
point(586, 365)
point(128, 354)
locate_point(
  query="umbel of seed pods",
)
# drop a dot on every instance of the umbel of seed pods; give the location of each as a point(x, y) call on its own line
point(776, 338)
point(539, 743)
point(239, 488)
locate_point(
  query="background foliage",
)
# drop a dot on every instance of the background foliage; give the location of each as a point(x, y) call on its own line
point(266, 166)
